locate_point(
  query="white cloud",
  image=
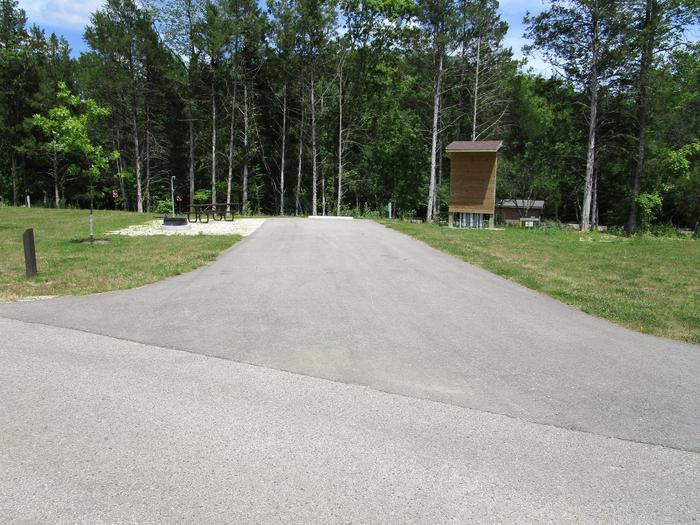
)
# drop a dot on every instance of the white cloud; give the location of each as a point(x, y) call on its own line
point(69, 14)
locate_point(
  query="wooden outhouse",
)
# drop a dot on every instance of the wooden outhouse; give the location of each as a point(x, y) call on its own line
point(473, 183)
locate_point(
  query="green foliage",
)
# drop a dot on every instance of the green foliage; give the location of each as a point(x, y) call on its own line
point(153, 74)
point(164, 206)
point(666, 230)
point(66, 127)
point(202, 196)
point(680, 161)
point(649, 206)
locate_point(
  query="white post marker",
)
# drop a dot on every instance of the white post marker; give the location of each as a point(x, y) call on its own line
point(172, 193)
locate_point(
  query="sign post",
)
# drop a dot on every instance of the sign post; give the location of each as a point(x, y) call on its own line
point(172, 193)
point(29, 252)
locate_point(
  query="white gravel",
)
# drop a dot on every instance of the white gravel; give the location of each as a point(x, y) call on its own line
point(237, 227)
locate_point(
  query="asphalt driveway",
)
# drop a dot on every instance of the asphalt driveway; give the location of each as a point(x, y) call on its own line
point(361, 305)
point(98, 430)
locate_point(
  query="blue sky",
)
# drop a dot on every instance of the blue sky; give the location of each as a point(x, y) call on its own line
point(69, 17)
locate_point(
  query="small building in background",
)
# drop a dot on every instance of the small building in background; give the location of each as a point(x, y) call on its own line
point(513, 210)
point(473, 167)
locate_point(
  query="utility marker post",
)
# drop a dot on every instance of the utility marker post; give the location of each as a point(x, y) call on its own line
point(29, 252)
point(172, 193)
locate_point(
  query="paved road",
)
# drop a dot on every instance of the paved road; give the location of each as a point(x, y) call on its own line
point(566, 414)
point(109, 431)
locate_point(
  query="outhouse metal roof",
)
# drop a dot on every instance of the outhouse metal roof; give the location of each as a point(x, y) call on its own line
point(478, 146)
point(521, 203)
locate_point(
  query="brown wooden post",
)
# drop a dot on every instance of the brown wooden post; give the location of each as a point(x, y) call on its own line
point(29, 252)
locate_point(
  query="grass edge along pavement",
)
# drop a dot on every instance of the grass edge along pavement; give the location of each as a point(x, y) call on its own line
point(69, 265)
point(649, 284)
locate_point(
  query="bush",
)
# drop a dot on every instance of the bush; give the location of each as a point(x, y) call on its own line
point(164, 206)
point(367, 214)
point(663, 230)
point(347, 211)
point(649, 207)
point(619, 231)
point(202, 196)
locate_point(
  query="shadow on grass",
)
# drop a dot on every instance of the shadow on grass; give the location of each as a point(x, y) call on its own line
point(87, 241)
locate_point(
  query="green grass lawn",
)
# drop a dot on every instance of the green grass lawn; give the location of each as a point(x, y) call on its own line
point(645, 283)
point(68, 265)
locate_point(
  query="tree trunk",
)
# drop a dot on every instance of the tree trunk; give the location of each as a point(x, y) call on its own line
point(229, 179)
point(642, 113)
point(592, 128)
point(122, 188)
point(297, 206)
point(438, 180)
point(433, 153)
point(190, 90)
point(244, 198)
point(476, 87)
point(213, 144)
point(284, 146)
point(55, 179)
point(340, 145)
point(120, 168)
point(314, 169)
point(14, 178)
point(191, 130)
point(590, 161)
point(137, 163)
point(594, 203)
point(323, 190)
point(463, 6)
point(148, 161)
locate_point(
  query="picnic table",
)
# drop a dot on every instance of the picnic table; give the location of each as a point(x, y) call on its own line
point(216, 211)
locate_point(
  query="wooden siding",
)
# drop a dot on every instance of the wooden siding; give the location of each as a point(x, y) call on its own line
point(473, 183)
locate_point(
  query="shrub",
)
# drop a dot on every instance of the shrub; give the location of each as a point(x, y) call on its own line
point(202, 196)
point(407, 214)
point(164, 206)
point(663, 230)
point(649, 207)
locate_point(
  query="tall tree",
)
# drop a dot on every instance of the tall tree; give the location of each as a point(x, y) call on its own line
point(67, 128)
point(659, 26)
point(583, 39)
point(486, 68)
point(318, 21)
point(122, 37)
point(438, 20)
point(182, 22)
point(285, 25)
point(18, 79)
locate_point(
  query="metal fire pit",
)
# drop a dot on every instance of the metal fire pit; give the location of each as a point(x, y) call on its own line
point(175, 223)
